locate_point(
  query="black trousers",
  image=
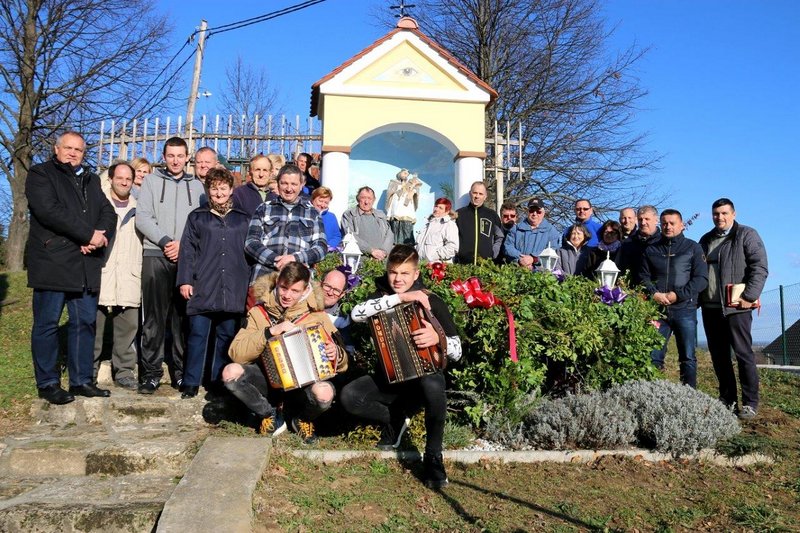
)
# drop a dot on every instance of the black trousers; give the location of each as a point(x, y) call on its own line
point(726, 334)
point(162, 307)
point(253, 390)
point(372, 398)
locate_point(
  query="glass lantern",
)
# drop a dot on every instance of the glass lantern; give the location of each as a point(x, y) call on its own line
point(548, 258)
point(351, 253)
point(607, 272)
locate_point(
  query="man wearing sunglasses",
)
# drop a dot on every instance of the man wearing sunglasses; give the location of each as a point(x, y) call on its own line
point(584, 215)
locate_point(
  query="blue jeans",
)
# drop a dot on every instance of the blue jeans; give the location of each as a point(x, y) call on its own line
point(683, 322)
point(82, 312)
point(225, 326)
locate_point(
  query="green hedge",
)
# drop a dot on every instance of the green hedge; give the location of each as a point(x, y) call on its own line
point(567, 339)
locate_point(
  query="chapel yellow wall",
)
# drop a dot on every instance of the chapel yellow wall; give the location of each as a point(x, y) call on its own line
point(347, 118)
point(439, 79)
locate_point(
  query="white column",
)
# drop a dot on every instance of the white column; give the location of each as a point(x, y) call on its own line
point(468, 171)
point(336, 176)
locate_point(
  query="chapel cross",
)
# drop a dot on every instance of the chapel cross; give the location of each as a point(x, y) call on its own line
point(402, 6)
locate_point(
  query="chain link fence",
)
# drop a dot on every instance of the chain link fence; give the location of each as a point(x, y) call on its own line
point(776, 330)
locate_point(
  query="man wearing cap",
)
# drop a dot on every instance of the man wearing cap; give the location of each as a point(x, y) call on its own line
point(584, 214)
point(480, 234)
point(526, 240)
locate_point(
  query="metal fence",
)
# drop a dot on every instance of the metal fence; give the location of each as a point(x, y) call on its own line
point(776, 330)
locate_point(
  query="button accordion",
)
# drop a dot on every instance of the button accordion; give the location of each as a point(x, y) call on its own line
point(298, 357)
point(399, 357)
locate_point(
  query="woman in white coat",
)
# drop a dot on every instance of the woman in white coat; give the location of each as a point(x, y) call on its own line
point(439, 240)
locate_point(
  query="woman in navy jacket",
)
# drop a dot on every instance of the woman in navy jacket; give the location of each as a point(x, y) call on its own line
point(213, 276)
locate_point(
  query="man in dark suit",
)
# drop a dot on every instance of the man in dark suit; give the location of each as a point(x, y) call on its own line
point(71, 222)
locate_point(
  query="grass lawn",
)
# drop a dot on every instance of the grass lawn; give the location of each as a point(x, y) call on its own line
point(611, 494)
point(608, 495)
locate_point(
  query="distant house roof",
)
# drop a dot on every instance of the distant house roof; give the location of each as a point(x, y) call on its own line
point(405, 24)
point(775, 348)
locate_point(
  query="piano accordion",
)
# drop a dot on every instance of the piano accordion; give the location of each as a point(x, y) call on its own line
point(399, 357)
point(298, 357)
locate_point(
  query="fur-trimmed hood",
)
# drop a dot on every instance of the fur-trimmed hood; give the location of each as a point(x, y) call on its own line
point(264, 292)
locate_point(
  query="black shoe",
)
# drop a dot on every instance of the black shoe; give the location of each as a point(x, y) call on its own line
point(148, 386)
point(434, 475)
point(55, 394)
point(189, 391)
point(305, 430)
point(392, 434)
point(90, 390)
point(127, 383)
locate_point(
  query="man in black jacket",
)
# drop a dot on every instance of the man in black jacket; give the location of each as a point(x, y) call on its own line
point(735, 255)
point(480, 233)
point(631, 252)
point(674, 272)
point(71, 222)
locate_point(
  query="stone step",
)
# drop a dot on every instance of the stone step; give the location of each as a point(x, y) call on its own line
point(125, 407)
point(97, 453)
point(87, 503)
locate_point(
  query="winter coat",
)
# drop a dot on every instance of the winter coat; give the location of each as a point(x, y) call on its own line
point(122, 274)
point(438, 241)
point(251, 341)
point(163, 205)
point(479, 229)
point(675, 264)
point(742, 259)
point(247, 198)
point(631, 254)
point(65, 209)
point(571, 261)
point(522, 239)
point(213, 261)
point(332, 232)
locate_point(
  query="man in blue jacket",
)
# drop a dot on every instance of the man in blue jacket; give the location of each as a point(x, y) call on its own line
point(674, 272)
point(584, 214)
point(526, 240)
point(735, 255)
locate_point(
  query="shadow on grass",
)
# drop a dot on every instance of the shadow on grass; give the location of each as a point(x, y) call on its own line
point(473, 520)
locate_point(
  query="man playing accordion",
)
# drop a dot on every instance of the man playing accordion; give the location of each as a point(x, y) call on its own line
point(285, 300)
point(373, 398)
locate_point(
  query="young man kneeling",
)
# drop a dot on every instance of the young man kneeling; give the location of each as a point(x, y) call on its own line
point(284, 301)
point(373, 398)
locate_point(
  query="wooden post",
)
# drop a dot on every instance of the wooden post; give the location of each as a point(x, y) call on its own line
point(198, 65)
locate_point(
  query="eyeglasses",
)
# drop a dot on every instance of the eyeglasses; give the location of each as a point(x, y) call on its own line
point(513, 215)
point(582, 208)
point(331, 289)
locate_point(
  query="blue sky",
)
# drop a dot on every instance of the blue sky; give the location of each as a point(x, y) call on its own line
point(722, 78)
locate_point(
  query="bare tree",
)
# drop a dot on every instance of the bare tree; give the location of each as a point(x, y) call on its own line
point(248, 94)
point(65, 65)
point(547, 60)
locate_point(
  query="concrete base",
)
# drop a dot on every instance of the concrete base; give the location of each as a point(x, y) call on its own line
point(534, 456)
point(224, 473)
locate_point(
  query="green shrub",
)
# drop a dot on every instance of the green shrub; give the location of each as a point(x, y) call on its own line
point(566, 337)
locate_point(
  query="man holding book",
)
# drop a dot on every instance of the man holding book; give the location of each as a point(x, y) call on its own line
point(737, 272)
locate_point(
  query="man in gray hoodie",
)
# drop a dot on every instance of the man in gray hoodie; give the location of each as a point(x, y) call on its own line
point(166, 199)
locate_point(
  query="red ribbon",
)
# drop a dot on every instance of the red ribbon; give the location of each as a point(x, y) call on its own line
point(475, 296)
point(437, 270)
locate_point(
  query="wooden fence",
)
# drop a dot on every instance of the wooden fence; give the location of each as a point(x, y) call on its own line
point(238, 138)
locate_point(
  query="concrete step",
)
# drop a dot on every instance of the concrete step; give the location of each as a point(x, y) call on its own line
point(97, 453)
point(87, 503)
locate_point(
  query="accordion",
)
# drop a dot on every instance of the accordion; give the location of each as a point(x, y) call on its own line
point(298, 357)
point(398, 355)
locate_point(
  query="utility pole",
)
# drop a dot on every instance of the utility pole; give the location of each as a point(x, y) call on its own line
point(198, 66)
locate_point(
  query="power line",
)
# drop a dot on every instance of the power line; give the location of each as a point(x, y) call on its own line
point(261, 18)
